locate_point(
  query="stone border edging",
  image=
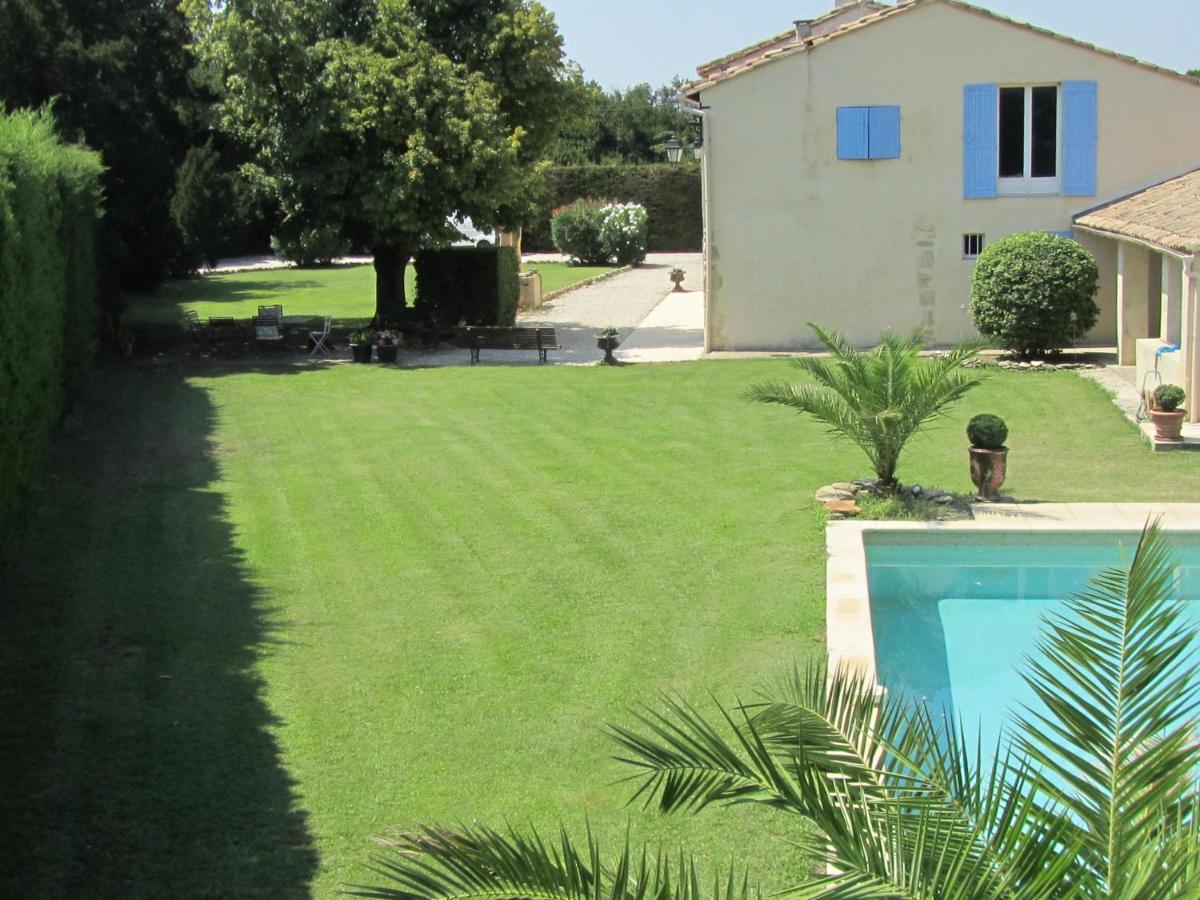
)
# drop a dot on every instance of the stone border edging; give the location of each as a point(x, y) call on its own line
point(587, 282)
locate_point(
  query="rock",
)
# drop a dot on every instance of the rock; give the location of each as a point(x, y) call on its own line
point(843, 486)
point(843, 507)
point(829, 492)
point(1037, 364)
point(943, 499)
point(917, 490)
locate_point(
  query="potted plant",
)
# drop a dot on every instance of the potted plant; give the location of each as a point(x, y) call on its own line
point(387, 345)
point(989, 456)
point(1166, 412)
point(608, 340)
point(361, 345)
point(677, 278)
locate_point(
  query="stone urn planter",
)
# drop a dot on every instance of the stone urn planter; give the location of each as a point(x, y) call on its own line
point(989, 456)
point(677, 280)
point(608, 341)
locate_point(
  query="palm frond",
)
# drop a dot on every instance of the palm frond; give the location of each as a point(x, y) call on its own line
point(479, 863)
point(1119, 735)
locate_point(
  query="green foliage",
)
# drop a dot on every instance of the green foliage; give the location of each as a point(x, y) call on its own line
point(903, 802)
point(202, 205)
point(49, 211)
point(987, 432)
point(117, 74)
point(576, 231)
point(878, 399)
point(623, 232)
point(621, 127)
point(1168, 397)
point(312, 247)
point(381, 118)
point(670, 194)
point(1034, 292)
point(473, 285)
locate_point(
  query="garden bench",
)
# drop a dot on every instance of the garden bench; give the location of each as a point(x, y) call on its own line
point(476, 338)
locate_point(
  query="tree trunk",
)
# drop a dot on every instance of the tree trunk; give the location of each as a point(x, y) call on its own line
point(390, 302)
point(511, 237)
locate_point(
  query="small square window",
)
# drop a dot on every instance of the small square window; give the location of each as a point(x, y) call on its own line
point(972, 245)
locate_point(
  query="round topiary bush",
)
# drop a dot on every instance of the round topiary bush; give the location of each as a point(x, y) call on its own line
point(987, 432)
point(1168, 397)
point(575, 229)
point(1034, 293)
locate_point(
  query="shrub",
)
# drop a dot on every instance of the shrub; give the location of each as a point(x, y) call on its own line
point(670, 194)
point(576, 231)
point(475, 285)
point(987, 432)
point(311, 247)
point(1168, 397)
point(1033, 293)
point(49, 212)
point(201, 206)
point(623, 232)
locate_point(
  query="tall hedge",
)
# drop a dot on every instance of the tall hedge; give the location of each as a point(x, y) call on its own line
point(670, 193)
point(475, 285)
point(49, 210)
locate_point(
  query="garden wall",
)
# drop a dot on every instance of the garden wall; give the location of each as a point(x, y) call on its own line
point(670, 193)
point(49, 210)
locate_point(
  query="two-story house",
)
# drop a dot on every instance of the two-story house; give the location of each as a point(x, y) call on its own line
point(855, 166)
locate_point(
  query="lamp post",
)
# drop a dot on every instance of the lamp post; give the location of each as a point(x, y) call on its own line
point(698, 149)
point(674, 149)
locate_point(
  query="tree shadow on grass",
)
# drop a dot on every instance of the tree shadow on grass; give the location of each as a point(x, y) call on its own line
point(137, 752)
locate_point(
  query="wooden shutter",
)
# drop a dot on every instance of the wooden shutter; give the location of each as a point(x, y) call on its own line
point(1079, 138)
point(883, 132)
point(981, 145)
point(852, 132)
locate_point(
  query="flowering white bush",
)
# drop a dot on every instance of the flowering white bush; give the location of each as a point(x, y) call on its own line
point(623, 229)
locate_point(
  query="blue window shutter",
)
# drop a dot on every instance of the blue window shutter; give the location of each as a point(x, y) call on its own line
point(883, 132)
point(1079, 138)
point(852, 132)
point(981, 145)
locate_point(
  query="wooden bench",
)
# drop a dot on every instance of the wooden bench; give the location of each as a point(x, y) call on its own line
point(476, 338)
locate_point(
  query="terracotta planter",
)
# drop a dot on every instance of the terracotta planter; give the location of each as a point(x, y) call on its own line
point(1168, 426)
point(988, 468)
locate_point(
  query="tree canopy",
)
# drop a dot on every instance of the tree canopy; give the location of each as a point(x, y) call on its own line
point(384, 117)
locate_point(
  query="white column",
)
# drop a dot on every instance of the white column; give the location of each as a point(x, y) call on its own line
point(1133, 297)
point(1188, 343)
point(1174, 283)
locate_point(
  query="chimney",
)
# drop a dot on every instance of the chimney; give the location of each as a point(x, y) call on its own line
point(803, 28)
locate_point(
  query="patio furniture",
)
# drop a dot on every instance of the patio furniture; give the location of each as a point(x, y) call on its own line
point(226, 335)
point(267, 333)
point(476, 338)
point(320, 339)
point(196, 329)
point(272, 312)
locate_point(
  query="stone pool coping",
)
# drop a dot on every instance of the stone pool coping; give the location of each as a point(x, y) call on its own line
point(849, 637)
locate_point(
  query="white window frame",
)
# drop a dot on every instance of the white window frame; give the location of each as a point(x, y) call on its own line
point(1027, 184)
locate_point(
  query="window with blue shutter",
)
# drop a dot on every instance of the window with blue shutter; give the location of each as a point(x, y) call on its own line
point(980, 140)
point(1079, 138)
point(868, 132)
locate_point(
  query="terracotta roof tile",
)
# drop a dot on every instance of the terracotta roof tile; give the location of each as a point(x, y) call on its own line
point(1167, 215)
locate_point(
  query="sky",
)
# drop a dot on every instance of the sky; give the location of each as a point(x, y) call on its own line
point(623, 42)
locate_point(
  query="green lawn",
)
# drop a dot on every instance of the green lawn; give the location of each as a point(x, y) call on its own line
point(347, 292)
point(259, 617)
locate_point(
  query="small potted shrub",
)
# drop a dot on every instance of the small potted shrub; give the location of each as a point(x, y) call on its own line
point(386, 346)
point(361, 345)
point(608, 341)
point(1167, 413)
point(677, 278)
point(989, 456)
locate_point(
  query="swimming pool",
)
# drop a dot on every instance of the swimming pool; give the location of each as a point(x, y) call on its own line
point(954, 614)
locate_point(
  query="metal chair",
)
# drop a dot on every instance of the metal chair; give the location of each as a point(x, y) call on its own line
point(272, 312)
point(266, 332)
point(320, 338)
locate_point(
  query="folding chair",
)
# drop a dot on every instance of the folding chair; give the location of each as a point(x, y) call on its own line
point(319, 338)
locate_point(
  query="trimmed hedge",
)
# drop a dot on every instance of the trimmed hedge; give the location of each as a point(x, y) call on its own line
point(49, 210)
point(475, 285)
point(670, 193)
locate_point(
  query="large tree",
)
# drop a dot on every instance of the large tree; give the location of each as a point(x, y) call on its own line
point(383, 118)
point(117, 72)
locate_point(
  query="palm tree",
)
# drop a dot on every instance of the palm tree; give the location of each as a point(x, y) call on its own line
point(1095, 797)
point(877, 398)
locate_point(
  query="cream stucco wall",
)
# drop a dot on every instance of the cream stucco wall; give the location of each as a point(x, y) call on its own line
point(796, 235)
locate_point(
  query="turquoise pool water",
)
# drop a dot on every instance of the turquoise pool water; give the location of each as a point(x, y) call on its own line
point(954, 615)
